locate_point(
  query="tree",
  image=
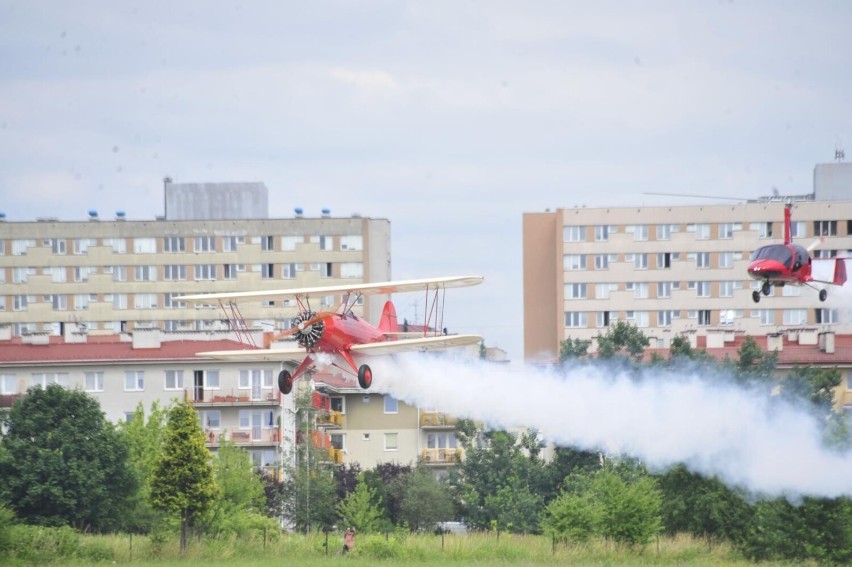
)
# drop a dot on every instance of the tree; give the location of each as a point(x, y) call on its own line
point(312, 503)
point(753, 365)
point(380, 479)
point(183, 483)
point(362, 510)
point(514, 507)
point(622, 338)
point(63, 463)
point(424, 501)
point(144, 442)
point(241, 504)
point(572, 349)
point(813, 384)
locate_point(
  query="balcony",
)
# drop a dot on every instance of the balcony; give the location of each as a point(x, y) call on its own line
point(333, 419)
point(441, 456)
point(216, 398)
point(437, 419)
point(243, 438)
point(6, 400)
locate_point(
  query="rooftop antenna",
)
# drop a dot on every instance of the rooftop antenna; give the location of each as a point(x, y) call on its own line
point(839, 154)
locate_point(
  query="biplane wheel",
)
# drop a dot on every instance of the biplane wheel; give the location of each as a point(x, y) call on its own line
point(755, 295)
point(365, 376)
point(823, 294)
point(285, 382)
point(766, 288)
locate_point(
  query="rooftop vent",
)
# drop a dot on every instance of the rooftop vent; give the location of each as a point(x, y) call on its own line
point(326, 213)
point(299, 212)
point(119, 215)
point(2, 216)
point(93, 215)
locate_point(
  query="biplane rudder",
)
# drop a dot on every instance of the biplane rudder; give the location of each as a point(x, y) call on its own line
point(389, 323)
point(840, 271)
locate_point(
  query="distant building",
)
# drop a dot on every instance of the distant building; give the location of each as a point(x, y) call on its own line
point(117, 275)
point(675, 269)
point(235, 401)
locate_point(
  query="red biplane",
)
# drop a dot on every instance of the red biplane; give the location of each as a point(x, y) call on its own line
point(343, 335)
point(791, 264)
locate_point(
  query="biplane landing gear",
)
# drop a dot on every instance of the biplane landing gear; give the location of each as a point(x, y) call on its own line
point(823, 294)
point(365, 376)
point(755, 295)
point(766, 288)
point(285, 382)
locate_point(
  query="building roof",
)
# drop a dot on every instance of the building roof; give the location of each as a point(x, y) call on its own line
point(790, 353)
point(99, 349)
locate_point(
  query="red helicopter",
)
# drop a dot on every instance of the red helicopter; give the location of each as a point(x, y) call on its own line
point(791, 264)
point(340, 338)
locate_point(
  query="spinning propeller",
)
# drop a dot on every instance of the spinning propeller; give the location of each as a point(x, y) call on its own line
point(308, 327)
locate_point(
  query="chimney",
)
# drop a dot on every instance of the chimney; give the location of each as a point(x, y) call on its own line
point(775, 341)
point(826, 342)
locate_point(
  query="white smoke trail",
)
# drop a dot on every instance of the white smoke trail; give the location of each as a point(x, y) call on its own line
point(713, 426)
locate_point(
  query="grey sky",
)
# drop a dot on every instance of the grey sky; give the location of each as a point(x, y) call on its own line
point(451, 119)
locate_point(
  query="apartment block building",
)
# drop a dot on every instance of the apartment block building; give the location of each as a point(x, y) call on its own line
point(118, 275)
point(235, 401)
point(676, 269)
point(372, 427)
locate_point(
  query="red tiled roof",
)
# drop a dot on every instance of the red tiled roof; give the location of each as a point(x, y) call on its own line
point(791, 351)
point(106, 348)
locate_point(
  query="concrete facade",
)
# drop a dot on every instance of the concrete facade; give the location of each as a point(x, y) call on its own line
point(671, 270)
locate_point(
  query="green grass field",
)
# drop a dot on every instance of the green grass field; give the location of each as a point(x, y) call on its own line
point(475, 549)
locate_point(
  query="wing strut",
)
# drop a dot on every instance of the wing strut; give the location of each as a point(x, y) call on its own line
point(237, 322)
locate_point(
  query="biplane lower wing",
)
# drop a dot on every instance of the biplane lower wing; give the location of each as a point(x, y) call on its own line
point(421, 344)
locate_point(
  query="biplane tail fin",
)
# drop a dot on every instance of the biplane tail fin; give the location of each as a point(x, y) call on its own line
point(839, 271)
point(389, 323)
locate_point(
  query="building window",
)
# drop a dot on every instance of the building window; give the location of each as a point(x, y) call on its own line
point(577, 319)
point(205, 272)
point(230, 243)
point(763, 229)
point(766, 316)
point(704, 317)
point(664, 318)
point(827, 316)
point(45, 379)
point(639, 318)
point(211, 419)
point(701, 230)
point(603, 231)
point(174, 244)
point(174, 273)
point(664, 231)
point(81, 245)
point(288, 243)
point(58, 246)
point(794, 317)
point(726, 230)
point(145, 245)
point(174, 379)
point(391, 404)
point(267, 243)
point(352, 242)
point(205, 244)
point(145, 301)
point(825, 228)
point(134, 381)
point(640, 232)
point(119, 273)
point(601, 261)
point(145, 273)
point(702, 259)
point(664, 289)
point(574, 233)
point(351, 270)
point(726, 259)
point(326, 243)
point(640, 261)
point(726, 288)
point(575, 291)
point(391, 441)
point(604, 318)
point(602, 290)
point(8, 384)
point(94, 381)
point(267, 271)
point(573, 262)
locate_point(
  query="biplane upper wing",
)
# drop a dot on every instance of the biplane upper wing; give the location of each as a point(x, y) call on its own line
point(416, 345)
point(829, 270)
point(400, 286)
point(258, 354)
